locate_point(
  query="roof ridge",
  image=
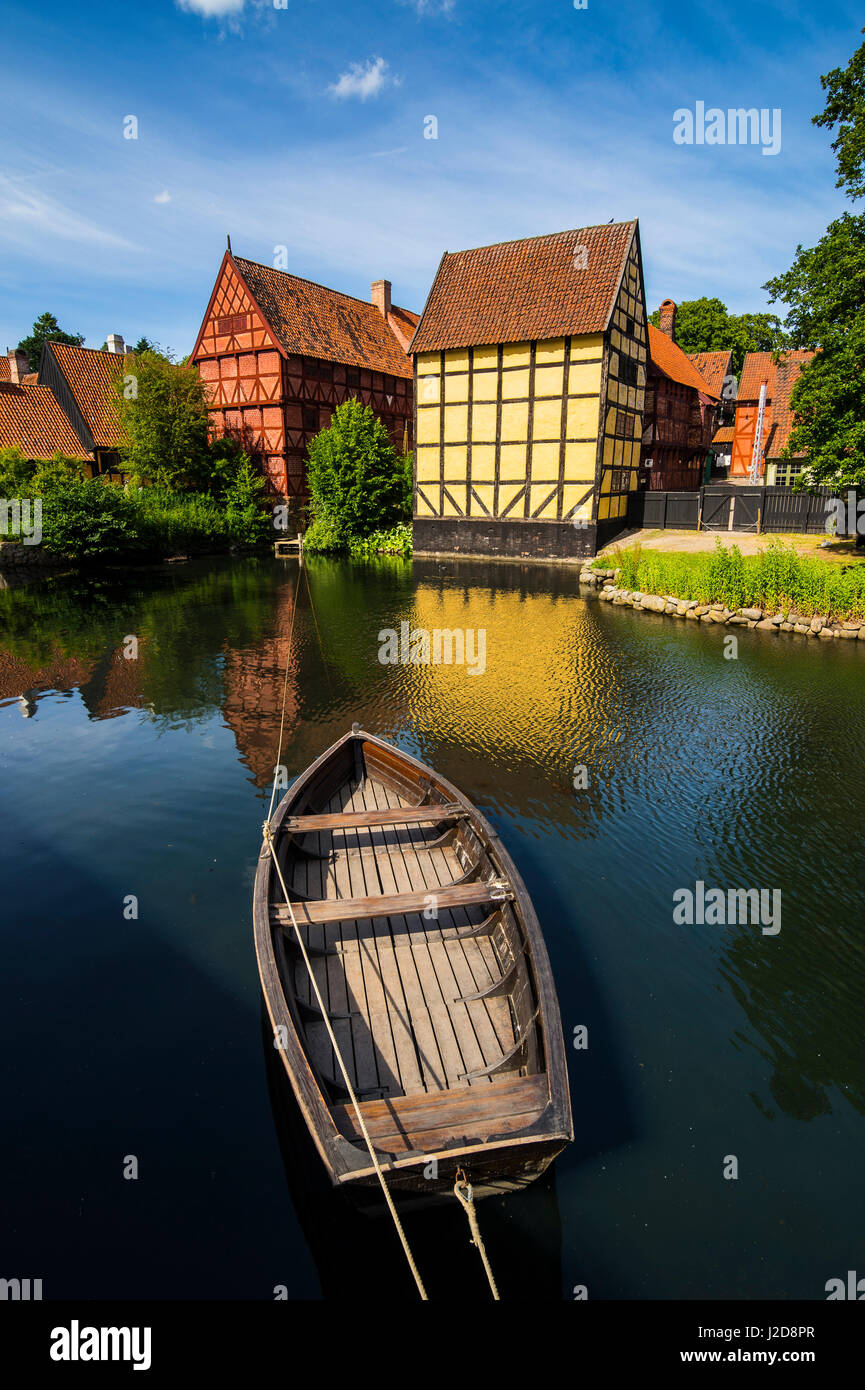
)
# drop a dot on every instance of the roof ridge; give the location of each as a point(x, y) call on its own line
point(316, 283)
point(545, 236)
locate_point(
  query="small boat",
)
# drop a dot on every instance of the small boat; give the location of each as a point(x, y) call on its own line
point(429, 961)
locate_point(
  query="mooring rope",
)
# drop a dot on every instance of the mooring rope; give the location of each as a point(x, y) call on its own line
point(268, 839)
point(463, 1191)
point(267, 835)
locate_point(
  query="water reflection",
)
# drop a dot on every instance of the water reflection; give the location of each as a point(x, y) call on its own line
point(739, 773)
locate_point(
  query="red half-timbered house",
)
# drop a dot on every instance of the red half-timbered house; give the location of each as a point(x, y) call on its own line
point(279, 353)
point(680, 415)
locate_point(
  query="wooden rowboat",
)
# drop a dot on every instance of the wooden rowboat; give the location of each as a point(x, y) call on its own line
point(430, 962)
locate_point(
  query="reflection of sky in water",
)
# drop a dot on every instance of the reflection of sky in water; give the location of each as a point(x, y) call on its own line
point(147, 778)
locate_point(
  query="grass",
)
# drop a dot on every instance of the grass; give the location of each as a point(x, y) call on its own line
point(777, 579)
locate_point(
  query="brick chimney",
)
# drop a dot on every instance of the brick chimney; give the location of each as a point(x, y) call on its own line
point(19, 366)
point(381, 296)
point(116, 344)
point(667, 319)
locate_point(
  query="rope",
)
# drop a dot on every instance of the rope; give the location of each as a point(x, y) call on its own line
point(463, 1192)
point(268, 839)
point(267, 834)
point(284, 700)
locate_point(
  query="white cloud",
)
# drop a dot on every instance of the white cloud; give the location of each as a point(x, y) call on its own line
point(212, 9)
point(23, 212)
point(362, 80)
point(430, 6)
point(163, 197)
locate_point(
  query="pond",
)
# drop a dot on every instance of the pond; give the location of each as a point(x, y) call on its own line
point(134, 1042)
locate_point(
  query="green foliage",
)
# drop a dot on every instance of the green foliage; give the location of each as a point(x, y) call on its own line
point(357, 482)
point(164, 418)
point(845, 107)
point(85, 519)
point(705, 325)
point(824, 289)
point(397, 541)
point(829, 407)
point(777, 578)
point(16, 472)
point(46, 329)
point(324, 537)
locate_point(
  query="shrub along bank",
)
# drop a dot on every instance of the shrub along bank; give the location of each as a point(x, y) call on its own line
point(776, 581)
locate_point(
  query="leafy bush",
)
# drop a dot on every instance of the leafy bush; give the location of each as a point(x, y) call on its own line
point(324, 537)
point(83, 518)
point(397, 541)
point(163, 415)
point(777, 578)
point(356, 480)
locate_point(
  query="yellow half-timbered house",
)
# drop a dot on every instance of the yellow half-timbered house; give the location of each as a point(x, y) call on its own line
point(530, 373)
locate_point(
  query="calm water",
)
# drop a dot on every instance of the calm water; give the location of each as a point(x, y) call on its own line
point(143, 1037)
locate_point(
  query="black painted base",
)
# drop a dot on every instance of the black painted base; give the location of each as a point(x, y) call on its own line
point(529, 540)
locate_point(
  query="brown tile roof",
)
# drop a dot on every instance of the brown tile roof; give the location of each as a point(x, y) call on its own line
point(519, 290)
point(31, 418)
point(724, 435)
point(318, 322)
point(759, 367)
point(29, 379)
point(5, 371)
point(713, 367)
point(91, 376)
point(786, 376)
point(669, 358)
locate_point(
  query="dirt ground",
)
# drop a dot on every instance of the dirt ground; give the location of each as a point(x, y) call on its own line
point(689, 542)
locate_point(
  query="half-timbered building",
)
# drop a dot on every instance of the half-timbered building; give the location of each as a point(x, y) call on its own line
point(530, 365)
point(774, 381)
point(84, 382)
point(681, 412)
point(279, 353)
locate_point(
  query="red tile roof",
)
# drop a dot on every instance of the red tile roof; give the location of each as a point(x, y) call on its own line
point(713, 368)
point(669, 358)
point(759, 367)
point(318, 322)
point(5, 371)
point(786, 376)
point(31, 418)
point(724, 435)
point(91, 376)
point(516, 291)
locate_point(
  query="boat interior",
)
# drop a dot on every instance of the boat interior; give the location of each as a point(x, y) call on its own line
point(430, 993)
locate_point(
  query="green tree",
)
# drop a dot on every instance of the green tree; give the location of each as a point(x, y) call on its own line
point(46, 329)
point(706, 325)
point(356, 478)
point(845, 107)
point(164, 416)
point(824, 291)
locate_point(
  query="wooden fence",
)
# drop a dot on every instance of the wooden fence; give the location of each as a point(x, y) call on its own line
point(716, 507)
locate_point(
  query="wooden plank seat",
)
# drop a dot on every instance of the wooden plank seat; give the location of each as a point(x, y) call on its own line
point(424, 1124)
point(389, 905)
point(362, 820)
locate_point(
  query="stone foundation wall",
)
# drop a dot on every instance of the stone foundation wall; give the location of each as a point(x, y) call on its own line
point(31, 556)
point(530, 540)
point(824, 628)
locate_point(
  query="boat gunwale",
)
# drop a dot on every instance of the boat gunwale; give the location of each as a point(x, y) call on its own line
point(344, 1160)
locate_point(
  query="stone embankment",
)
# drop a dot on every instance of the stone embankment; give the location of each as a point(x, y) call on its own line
point(824, 628)
point(14, 556)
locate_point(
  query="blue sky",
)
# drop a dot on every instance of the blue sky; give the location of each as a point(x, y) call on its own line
point(303, 127)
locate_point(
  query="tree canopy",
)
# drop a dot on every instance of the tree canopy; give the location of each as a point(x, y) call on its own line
point(706, 325)
point(357, 481)
point(824, 291)
point(163, 412)
point(46, 329)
